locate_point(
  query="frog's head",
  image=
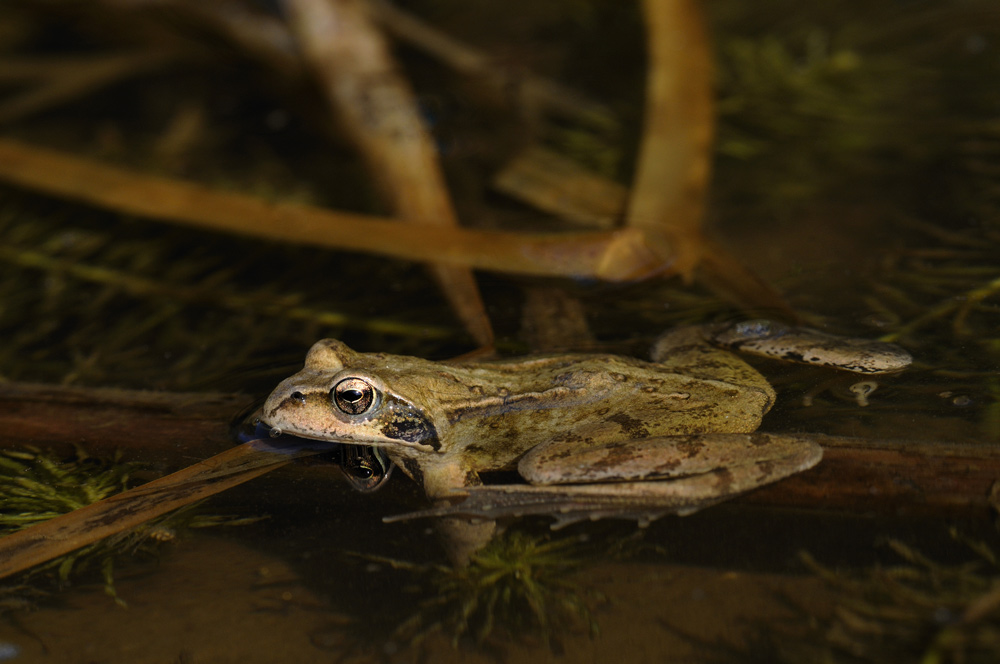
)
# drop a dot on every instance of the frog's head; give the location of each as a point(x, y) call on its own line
point(340, 396)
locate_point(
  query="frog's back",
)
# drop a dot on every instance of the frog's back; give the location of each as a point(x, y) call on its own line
point(513, 405)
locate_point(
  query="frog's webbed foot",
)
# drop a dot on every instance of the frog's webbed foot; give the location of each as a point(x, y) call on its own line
point(795, 344)
point(641, 480)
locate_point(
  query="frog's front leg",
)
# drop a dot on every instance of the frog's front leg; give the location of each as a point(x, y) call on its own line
point(641, 479)
point(463, 534)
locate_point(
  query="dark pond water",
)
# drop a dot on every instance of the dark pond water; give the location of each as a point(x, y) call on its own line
point(856, 170)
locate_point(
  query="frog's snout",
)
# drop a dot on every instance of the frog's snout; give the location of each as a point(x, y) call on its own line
point(284, 397)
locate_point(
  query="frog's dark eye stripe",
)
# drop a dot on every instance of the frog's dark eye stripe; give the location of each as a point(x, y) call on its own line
point(353, 395)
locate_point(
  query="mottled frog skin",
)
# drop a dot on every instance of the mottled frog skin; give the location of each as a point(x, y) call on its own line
point(592, 434)
point(446, 422)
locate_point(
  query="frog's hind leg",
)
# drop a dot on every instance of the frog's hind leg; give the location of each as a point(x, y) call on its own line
point(686, 351)
point(660, 476)
point(808, 346)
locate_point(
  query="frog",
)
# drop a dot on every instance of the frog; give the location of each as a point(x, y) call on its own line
point(589, 435)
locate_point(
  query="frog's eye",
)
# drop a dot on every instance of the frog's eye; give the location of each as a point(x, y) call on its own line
point(353, 395)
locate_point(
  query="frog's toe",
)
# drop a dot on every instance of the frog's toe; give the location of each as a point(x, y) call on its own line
point(808, 346)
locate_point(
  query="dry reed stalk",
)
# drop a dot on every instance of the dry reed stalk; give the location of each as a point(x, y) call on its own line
point(621, 255)
point(63, 534)
point(675, 155)
point(378, 112)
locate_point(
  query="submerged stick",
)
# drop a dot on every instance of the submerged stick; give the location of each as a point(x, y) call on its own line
point(914, 476)
point(856, 475)
point(63, 534)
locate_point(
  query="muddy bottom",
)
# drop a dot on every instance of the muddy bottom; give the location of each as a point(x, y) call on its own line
point(213, 600)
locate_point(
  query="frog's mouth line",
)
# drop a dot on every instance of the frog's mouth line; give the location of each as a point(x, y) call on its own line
point(366, 468)
point(268, 431)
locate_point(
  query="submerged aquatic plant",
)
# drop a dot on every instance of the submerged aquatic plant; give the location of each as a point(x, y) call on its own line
point(941, 297)
point(805, 114)
point(916, 611)
point(92, 299)
point(37, 485)
point(519, 586)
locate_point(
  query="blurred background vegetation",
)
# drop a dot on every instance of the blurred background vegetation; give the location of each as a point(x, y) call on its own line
point(855, 168)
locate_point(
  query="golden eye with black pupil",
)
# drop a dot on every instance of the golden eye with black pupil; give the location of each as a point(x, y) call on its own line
point(353, 395)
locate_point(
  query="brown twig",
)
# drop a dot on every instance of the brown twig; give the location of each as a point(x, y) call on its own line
point(560, 186)
point(668, 198)
point(56, 537)
point(612, 256)
point(910, 477)
point(169, 429)
point(671, 182)
point(553, 321)
point(378, 111)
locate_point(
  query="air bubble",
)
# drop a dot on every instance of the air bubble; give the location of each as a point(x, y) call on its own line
point(275, 432)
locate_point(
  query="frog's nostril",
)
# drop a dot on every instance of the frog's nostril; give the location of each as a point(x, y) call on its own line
point(297, 396)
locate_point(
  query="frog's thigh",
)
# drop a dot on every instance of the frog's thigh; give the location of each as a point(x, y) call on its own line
point(743, 460)
point(685, 351)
